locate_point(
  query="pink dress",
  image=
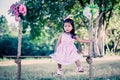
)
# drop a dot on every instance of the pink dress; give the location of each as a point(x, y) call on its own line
point(66, 52)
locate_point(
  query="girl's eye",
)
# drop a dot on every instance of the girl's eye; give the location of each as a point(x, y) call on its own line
point(67, 26)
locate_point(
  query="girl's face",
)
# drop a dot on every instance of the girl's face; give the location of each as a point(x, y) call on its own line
point(67, 27)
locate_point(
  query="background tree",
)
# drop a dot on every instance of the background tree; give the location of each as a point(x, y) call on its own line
point(3, 26)
point(113, 34)
point(106, 11)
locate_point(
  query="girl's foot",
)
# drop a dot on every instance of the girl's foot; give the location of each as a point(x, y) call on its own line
point(80, 69)
point(59, 72)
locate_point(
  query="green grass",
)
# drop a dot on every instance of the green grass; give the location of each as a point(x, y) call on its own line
point(45, 69)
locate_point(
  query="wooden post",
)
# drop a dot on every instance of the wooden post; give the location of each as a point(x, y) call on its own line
point(91, 45)
point(18, 60)
point(89, 58)
point(90, 51)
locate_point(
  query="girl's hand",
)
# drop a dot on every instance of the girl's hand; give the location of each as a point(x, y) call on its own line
point(92, 40)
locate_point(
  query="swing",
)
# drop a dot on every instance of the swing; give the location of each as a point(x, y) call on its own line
point(18, 60)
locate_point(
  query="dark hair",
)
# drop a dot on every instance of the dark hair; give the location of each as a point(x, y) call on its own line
point(72, 32)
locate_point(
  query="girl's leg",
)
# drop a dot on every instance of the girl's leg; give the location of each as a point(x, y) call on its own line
point(79, 67)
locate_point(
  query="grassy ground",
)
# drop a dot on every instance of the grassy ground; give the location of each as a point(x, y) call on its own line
point(105, 68)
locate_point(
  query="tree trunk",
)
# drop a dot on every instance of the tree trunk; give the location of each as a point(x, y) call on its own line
point(116, 42)
point(100, 33)
point(90, 50)
point(101, 41)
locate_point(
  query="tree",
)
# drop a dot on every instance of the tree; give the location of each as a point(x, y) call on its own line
point(42, 13)
point(102, 23)
point(3, 25)
point(113, 33)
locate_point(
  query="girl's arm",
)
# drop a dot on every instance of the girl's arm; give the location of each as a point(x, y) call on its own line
point(58, 42)
point(81, 40)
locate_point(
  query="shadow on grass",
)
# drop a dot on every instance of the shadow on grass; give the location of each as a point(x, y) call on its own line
point(115, 77)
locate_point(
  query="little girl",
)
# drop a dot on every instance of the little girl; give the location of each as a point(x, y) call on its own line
point(65, 50)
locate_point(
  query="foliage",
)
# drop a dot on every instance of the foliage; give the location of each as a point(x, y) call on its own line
point(106, 13)
point(45, 17)
point(45, 13)
point(3, 25)
point(8, 46)
point(113, 33)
